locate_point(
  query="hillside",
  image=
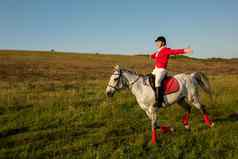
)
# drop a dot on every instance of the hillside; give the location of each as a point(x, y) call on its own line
point(53, 105)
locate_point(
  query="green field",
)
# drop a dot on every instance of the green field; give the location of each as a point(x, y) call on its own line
point(53, 105)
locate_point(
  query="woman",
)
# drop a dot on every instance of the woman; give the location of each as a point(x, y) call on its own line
point(161, 57)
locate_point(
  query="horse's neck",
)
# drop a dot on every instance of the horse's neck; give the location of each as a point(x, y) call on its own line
point(130, 77)
point(132, 81)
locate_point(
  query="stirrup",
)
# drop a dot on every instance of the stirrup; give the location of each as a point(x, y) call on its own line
point(159, 105)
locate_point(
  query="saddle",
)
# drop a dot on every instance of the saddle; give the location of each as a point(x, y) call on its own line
point(169, 84)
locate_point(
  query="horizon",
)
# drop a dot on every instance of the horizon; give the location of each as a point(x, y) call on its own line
point(123, 27)
point(106, 53)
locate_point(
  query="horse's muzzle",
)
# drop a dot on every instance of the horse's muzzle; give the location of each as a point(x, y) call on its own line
point(109, 93)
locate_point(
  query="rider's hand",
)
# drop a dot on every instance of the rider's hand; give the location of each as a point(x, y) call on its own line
point(188, 50)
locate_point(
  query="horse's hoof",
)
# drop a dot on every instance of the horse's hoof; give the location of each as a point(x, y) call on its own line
point(212, 124)
point(187, 127)
point(172, 129)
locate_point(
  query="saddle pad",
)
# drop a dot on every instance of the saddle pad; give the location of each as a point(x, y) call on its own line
point(170, 85)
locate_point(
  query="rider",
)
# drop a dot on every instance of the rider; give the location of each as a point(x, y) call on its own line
point(161, 57)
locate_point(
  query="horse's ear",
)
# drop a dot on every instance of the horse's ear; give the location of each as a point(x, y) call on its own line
point(116, 67)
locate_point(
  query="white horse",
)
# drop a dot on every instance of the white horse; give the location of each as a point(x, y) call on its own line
point(145, 96)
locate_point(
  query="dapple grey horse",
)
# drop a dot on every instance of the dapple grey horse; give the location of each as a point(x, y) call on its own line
point(140, 87)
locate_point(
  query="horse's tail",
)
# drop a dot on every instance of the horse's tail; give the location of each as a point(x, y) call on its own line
point(202, 81)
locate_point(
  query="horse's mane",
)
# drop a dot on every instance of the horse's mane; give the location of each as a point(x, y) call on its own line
point(133, 72)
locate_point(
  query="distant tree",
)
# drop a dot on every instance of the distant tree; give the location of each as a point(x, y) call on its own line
point(179, 57)
point(52, 50)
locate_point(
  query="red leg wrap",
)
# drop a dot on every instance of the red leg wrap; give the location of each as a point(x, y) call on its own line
point(207, 120)
point(165, 129)
point(185, 119)
point(153, 135)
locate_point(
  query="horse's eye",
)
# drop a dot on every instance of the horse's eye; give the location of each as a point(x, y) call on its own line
point(115, 79)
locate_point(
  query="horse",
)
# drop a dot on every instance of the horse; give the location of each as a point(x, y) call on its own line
point(186, 96)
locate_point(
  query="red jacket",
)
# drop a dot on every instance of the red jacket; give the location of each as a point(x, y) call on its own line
point(161, 57)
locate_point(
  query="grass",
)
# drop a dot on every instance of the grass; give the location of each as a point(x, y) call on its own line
point(53, 105)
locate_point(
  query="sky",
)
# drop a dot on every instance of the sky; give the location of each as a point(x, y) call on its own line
point(120, 26)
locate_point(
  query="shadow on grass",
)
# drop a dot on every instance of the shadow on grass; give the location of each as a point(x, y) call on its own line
point(13, 132)
point(16, 107)
point(230, 118)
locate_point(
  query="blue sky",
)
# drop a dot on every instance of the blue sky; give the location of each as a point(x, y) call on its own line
point(120, 26)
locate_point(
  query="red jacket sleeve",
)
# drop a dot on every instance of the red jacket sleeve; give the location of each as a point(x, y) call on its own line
point(153, 55)
point(176, 51)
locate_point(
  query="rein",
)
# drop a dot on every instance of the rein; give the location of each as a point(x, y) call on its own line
point(131, 84)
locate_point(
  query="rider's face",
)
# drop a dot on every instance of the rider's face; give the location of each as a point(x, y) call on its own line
point(158, 44)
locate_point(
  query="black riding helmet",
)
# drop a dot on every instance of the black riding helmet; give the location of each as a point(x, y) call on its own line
point(162, 39)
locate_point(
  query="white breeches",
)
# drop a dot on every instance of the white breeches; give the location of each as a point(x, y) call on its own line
point(159, 75)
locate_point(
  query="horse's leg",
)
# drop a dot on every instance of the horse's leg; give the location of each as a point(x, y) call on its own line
point(154, 122)
point(201, 107)
point(152, 114)
point(187, 108)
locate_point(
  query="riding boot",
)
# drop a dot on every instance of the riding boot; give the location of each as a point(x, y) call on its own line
point(159, 96)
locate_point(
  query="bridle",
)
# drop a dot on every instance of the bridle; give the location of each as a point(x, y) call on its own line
point(119, 77)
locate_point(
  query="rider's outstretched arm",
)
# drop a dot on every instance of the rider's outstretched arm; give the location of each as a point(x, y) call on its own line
point(180, 51)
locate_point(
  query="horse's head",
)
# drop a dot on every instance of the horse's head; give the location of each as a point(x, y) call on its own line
point(116, 81)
